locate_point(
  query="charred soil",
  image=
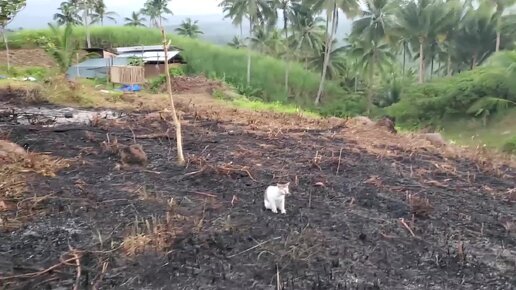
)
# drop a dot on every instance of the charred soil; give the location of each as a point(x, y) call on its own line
point(368, 210)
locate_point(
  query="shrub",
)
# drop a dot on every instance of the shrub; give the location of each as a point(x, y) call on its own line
point(480, 93)
point(36, 72)
point(510, 146)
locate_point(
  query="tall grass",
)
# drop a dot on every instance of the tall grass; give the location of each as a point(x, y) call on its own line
point(100, 36)
point(229, 64)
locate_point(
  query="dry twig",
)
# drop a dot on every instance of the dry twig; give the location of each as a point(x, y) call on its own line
point(402, 221)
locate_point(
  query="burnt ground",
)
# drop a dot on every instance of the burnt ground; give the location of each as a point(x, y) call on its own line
point(368, 210)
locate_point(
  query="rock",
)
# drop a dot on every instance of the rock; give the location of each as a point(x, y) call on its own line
point(133, 155)
point(362, 120)
point(388, 124)
point(435, 139)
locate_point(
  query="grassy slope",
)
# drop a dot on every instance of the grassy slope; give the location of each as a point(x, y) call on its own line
point(472, 132)
point(267, 73)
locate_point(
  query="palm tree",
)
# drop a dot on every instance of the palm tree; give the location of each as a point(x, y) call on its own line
point(155, 9)
point(287, 7)
point(419, 20)
point(189, 28)
point(86, 7)
point(477, 34)
point(236, 10)
point(372, 57)
point(135, 20)
point(332, 8)
point(68, 14)
point(236, 42)
point(308, 32)
point(501, 6)
point(63, 48)
point(99, 8)
point(256, 11)
point(336, 65)
point(377, 20)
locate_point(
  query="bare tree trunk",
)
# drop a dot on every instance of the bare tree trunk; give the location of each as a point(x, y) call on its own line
point(404, 57)
point(6, 43)
point(421, 62)
point(498, 36)
point(370, 93)
point(448, 69)
point(327, 51)
point(87, 26)
point(249, 52)
point(287, 59)
point(474, 60)
point(177, 123)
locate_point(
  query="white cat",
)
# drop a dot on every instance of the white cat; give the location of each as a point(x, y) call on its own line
point(274, 197)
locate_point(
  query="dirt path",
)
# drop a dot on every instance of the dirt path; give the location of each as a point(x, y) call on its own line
point(369, 210)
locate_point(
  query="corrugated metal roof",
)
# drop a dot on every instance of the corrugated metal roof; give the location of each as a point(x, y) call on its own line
point(141, 48)
point(150, 55)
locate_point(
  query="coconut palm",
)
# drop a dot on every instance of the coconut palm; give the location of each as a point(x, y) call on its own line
point(100, 9)
point(86, 7)
point(332, 8)
point(372, 58)
point(236, 42)
point(256, 11)
point(501, 7)
point(477, 35)
point(189, 28)
point(236, 10)
point(420, 20)
point(135, 20)
point(336, 64)
point(63, 47)
point(156, 9)
point(308, 32)
point(287, 7)
point(376, 22)
point(68, 14)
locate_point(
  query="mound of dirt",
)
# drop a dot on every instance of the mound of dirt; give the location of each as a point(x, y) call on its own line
point(35, 57)
point(193, 85)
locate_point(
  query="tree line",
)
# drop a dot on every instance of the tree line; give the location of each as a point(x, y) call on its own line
point(93, 12)
point(443, 36)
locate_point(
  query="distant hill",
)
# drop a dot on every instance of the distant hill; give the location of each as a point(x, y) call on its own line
point(221, 31)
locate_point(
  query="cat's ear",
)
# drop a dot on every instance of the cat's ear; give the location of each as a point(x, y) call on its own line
point(287, 184)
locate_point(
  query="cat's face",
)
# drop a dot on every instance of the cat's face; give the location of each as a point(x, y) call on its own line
point(283, 188)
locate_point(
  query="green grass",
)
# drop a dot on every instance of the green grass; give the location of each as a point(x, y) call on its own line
point(222, 62)
point(100, 37)
point(498, 132)
point(35, 72)
point(276, 107)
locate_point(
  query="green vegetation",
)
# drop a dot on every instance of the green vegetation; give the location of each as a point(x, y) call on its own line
point(510, 146)
point(258, 105)
point(472, 132)
point(100, 36)
point(8, 10)
point(480, 93)
point(38, 73)
point(189, 28)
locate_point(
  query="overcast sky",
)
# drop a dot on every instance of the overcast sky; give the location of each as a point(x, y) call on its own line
point(39, 12)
